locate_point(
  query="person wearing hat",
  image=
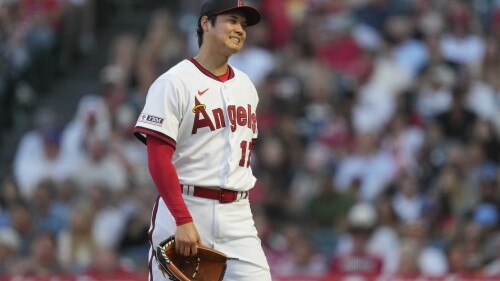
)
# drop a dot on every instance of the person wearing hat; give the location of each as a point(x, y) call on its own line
point(362, 221)
point(199, 126)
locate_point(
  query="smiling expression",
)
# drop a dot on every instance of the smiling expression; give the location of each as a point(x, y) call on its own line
point(229, 32)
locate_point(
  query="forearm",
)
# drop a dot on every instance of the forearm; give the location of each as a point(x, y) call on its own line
point(166, 180)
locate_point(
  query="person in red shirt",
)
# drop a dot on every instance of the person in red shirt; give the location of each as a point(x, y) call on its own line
point(361, 220)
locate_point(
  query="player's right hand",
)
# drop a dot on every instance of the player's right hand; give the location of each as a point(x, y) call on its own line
point(187, 239)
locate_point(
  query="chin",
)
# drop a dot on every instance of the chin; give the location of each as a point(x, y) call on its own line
point(234, 50)
point(234, 47)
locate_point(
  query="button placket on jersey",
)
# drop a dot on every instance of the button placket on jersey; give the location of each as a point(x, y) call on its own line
point(227, 99)
point(226, 93)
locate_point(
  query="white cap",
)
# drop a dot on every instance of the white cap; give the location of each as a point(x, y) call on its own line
point(112, 74)
point(362, 215)
point(10, 239)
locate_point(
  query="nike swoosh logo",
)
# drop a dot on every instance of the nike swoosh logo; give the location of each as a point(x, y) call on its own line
point(202, 92)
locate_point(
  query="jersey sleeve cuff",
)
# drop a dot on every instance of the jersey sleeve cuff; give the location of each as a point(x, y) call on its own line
point(181, 221)
point(141, 132)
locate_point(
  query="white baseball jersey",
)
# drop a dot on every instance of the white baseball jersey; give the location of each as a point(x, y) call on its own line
point(211, 124)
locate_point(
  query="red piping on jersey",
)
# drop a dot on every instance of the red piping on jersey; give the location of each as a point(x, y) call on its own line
point(138, 131)
point(150, 266)
point(150, 235)
point(210, 74)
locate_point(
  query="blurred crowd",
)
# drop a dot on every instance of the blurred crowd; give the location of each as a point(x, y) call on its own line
point(378, 149)
point(39, 42)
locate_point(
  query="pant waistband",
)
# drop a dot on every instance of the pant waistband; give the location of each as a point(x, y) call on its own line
point(215, 193)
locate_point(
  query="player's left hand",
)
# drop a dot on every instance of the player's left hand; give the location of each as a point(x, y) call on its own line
point(187, 239)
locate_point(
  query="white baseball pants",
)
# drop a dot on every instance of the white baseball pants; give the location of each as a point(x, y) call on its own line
point(228, 228)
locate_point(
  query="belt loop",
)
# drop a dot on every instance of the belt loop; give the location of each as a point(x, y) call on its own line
point(187, 189)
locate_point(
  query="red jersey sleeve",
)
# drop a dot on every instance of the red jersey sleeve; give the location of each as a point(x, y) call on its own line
point(165, 177)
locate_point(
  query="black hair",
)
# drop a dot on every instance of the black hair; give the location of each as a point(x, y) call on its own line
point(199, 31)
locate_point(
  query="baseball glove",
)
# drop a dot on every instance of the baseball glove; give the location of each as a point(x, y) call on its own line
point(207, 265)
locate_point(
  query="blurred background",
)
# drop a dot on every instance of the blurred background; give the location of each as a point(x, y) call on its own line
point(379, 134)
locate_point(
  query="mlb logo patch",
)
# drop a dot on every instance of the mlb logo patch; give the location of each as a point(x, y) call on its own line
point(154, 120)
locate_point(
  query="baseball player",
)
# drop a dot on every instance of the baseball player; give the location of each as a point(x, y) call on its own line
point(199, 124)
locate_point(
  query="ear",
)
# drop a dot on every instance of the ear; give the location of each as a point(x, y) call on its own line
point(204, 22)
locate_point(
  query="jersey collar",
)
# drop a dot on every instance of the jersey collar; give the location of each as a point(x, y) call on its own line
point(210, 74)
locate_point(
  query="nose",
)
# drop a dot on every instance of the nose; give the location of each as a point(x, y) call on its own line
point(239, 30)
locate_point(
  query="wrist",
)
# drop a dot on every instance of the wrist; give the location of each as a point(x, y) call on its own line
point(183, 220)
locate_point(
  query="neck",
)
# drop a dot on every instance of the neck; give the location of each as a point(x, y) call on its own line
point(217, 64)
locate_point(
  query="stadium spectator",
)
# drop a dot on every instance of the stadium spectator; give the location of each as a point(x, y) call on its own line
point(408, 259)
point(39, 155)
point(106, 264)
point(457, 122)
point(109, 221)
point(370, 164)
point(302, 261)
point(460, 43)
point(22, 221)
point(42, 261)
point(9, 193)
point(97, 164)
point(408, 202)
point(457, 256)
point(77, 246)
point(357, 258)
point(383, 240)
point(431, 258)
point(328, 208)
point(49, 215)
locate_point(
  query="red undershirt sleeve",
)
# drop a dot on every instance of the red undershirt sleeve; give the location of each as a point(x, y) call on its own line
point(165, 177)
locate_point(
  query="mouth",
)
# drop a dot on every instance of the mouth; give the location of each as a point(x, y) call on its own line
point(235, 40)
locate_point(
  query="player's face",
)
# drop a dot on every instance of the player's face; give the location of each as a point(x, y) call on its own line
point(230, 31)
